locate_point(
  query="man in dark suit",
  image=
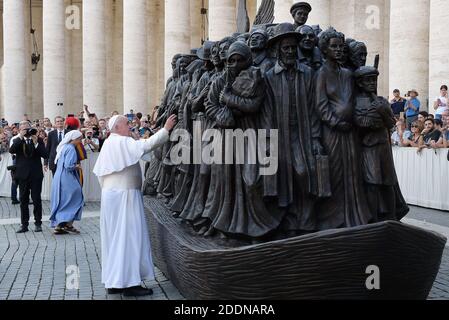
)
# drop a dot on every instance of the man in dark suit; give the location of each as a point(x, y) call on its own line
point(53, 140)
point(29, 150)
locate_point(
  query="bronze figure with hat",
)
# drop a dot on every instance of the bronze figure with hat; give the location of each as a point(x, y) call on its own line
point(300, 13)
point(258, 45)
point(374, 119)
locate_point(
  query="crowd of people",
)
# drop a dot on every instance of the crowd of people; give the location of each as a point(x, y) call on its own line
point(61, 147)
point(27, 169)
point(419, 129)
point(95, 130)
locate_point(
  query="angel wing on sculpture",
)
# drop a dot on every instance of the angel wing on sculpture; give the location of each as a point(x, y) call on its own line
point(265, 14)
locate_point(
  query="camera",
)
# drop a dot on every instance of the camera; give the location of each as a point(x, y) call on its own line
point(30, 132)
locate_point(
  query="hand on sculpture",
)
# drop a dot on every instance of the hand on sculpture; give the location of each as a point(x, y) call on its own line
point(171, 122)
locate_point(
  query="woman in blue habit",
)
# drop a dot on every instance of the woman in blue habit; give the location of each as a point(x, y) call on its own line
point(67, 199)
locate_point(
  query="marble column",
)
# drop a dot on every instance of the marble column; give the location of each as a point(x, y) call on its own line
point(94, 56)
point(177, 31)
point(55, 59)
point(439, 50)
point(282, 11)
point(196, 24)
point(74, 92)
point(320, 14)
point(370, 22)
point(409, 46)
point(222, 19)
point(155, 27)
point(367, 21)
point(2, 95)
point(16, 60)
point(135, 70)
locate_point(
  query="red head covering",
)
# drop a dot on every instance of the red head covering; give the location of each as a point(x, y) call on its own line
point(72, 123)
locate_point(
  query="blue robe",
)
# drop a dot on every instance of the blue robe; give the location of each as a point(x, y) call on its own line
point(67, 199)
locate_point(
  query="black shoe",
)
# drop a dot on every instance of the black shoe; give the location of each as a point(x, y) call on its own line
point(38, 229)
point(115, 291)
point(14, 202)
point(22, 230)
point(137, 292)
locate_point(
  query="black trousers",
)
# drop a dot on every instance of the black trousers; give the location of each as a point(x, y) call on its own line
point(33, 186)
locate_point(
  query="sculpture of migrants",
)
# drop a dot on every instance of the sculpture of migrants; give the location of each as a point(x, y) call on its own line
point(375, 119)
point(318, 204)
point(309, 53)
point(300, 13)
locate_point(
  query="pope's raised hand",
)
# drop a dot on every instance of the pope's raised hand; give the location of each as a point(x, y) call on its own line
point(171, 122)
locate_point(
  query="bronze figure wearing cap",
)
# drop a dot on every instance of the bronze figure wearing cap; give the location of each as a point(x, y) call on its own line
point(300, 13)
point(374, 119)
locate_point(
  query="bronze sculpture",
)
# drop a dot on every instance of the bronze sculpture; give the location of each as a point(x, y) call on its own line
point(375, 119)
point(184, 177)
point(288, 109)
point(319, 184)
point(166, 182)
point(309, 54)
point(334, 89)
point(357, 54)
point(238, 208)
point(332, 206)
point(203, 182)
point(258, 44)
point(300, 13)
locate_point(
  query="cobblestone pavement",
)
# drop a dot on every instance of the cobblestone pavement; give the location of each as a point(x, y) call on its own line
point(33, 266)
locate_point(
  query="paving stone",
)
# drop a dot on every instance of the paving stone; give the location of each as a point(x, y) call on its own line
point(33, 266)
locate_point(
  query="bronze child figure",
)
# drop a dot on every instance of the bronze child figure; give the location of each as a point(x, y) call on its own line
point(375, 119)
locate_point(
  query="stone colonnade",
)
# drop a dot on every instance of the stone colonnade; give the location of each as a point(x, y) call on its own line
point(116, 54)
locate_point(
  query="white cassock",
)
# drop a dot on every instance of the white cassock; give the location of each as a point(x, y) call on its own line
point(125, 243)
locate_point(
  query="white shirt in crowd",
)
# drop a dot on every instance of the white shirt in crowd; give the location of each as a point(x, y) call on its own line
point(443, 107)
point(397, 141)
point(27, 140)
point(89, 147)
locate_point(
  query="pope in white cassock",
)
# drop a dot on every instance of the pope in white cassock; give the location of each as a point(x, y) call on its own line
point(125, 243)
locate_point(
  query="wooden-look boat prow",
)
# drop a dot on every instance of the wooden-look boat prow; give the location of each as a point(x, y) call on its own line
point(336, 264)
